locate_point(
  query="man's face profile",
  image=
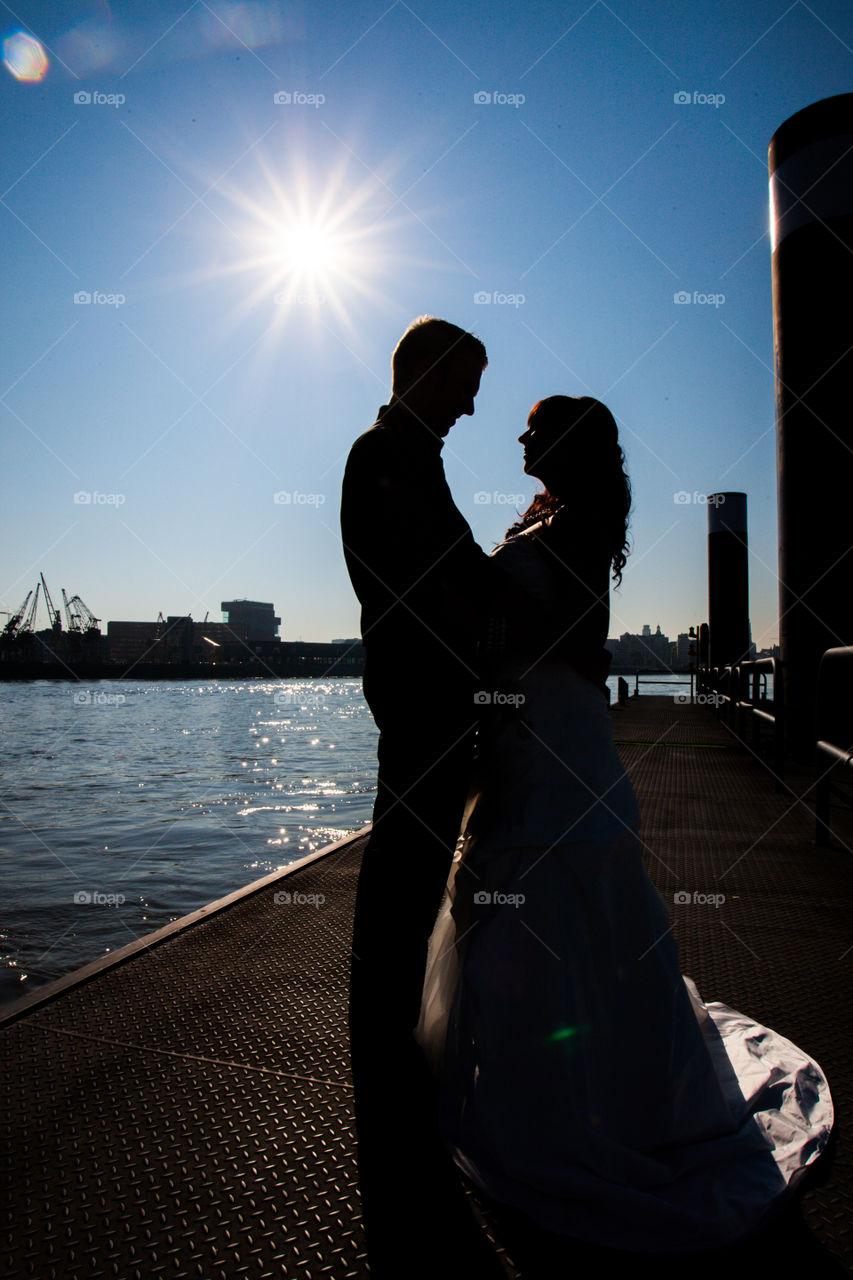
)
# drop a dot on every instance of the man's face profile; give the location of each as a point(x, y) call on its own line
point(452, 387)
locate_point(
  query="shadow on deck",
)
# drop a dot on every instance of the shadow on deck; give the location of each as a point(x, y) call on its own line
point(184, 1108)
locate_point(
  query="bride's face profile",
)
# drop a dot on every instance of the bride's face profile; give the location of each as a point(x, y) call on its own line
point(543, 455)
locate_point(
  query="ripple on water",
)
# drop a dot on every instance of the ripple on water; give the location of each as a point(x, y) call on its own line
point(129, 814)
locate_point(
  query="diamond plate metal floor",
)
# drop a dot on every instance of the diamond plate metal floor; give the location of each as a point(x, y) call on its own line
point(185, 1110)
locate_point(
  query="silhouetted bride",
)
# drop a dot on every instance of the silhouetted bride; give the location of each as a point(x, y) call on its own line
point(583, 1079)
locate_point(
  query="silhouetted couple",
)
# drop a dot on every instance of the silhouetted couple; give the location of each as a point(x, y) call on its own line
point(518, 1009)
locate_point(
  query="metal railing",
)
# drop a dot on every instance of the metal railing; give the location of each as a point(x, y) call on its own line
point(741, 696)
point(833, 733)
point(765, 712)
point(655, 675)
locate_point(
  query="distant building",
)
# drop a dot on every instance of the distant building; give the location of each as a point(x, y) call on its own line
point(655, 652)
point(256, 619)
point(178, 639)
point(133, 641)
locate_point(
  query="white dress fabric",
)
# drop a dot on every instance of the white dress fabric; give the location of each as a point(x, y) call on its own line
point(583, 1079)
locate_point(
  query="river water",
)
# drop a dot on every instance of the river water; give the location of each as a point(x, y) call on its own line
point(127, 805)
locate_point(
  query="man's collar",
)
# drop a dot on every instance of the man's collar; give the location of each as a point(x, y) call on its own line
point(399, 416)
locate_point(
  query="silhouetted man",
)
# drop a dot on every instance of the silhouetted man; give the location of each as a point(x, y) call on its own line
point(421, 580)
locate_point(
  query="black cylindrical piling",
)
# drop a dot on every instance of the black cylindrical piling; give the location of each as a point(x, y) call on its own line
point(811, 210)
point(728, 579)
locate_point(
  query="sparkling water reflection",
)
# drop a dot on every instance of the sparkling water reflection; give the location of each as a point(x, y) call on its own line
point(125, 806)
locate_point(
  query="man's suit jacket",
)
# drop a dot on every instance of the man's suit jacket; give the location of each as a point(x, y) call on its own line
point(417, 571)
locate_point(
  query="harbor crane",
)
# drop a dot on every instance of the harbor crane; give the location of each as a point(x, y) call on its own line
point(91, 621)
point(73, 620)
point(28, 626)
point(53, 614)
point(81, 620)
point(15, 619)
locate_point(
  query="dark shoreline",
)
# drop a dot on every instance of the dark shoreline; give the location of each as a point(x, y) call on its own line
point(20, 671)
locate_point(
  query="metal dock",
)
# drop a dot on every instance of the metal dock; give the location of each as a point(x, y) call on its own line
point(183, 1108)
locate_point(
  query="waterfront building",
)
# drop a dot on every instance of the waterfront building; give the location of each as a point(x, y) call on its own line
point(255, 616)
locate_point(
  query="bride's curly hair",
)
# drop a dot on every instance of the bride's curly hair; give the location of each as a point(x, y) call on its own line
point(586, 469)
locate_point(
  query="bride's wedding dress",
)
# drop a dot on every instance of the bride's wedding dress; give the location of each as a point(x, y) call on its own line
point(583, 1079)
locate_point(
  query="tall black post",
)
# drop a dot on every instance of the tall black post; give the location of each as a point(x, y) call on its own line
point(811, 195)
point(728, 579)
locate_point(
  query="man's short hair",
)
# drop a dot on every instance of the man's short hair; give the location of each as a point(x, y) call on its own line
point(426, 342)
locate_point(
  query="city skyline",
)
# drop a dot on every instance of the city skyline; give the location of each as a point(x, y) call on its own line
point(43, 623)
point(220, 219)
point(271, 623)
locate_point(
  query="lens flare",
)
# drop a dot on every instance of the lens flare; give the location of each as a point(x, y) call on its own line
point(565, 1033)
point(24, 57)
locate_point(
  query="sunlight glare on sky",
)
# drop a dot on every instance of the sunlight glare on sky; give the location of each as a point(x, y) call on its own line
point(220, 218)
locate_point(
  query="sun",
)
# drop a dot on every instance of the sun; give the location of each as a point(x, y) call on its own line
point(310, 250)
point(311, 247)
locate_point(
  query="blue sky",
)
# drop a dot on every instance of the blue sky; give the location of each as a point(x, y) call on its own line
point(258, 199)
